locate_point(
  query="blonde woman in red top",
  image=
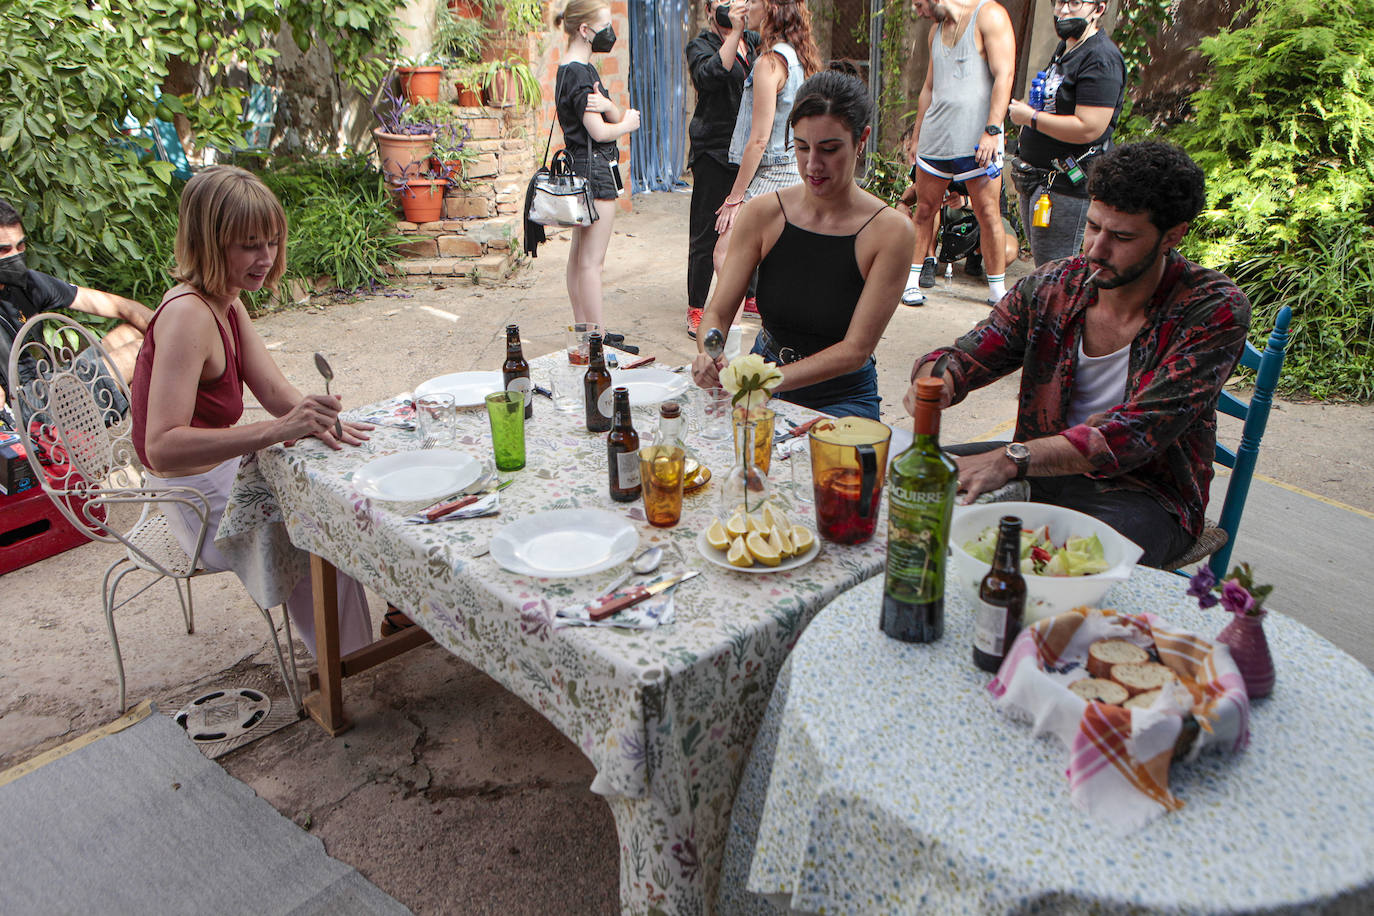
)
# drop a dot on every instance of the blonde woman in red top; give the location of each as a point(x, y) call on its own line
point(199, 351)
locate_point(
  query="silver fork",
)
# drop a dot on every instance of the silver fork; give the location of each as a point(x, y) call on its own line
point(429, 442)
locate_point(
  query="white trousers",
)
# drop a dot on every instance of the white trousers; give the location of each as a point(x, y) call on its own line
point(355, 622)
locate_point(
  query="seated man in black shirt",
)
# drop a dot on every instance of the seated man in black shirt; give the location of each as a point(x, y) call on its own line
point(25, 293)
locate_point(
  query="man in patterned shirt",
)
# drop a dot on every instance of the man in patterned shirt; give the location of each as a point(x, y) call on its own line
point(1123, 351)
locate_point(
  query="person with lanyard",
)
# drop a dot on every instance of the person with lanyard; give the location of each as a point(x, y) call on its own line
point(719, 59)
point(25, 293)
point(592, 126)
point(831, 260)
point(1085, 85)
point(760, 145)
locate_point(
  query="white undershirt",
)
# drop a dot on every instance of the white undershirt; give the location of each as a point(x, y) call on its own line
point(1099, 383)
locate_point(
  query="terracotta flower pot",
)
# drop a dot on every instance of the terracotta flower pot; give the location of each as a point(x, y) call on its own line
point(402, 156)
point(420, 84)
point(467, 98)
point(1250, 651)
point(503, 92)
point(423, 199)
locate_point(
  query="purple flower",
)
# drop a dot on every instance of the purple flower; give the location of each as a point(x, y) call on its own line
point(1201, 585)
point(1235, 598)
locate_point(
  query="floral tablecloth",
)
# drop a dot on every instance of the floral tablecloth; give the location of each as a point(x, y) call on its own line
point(666, 715)
point(884, 780)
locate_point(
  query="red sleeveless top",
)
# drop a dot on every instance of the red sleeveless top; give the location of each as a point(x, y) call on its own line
point(219, 402)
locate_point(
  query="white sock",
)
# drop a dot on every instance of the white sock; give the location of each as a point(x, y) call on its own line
point(997, 286)
point(913, 277)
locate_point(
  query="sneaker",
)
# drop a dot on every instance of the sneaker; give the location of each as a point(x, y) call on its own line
point(973, 266)
point(693, 322)
point(913, 296)
point(395, 621)
point(927, 273)
point(751, 306)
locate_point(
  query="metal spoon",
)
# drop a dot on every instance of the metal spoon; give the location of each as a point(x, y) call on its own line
point(641, 565)
point(714, 343)
point(322, 365)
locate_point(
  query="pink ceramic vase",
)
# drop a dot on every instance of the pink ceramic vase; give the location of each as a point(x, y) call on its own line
point(1250, 650)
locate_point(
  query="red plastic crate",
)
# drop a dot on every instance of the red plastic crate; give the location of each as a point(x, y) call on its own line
point(32, 529)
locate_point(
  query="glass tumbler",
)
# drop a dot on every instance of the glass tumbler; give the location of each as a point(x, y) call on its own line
point(436, 418)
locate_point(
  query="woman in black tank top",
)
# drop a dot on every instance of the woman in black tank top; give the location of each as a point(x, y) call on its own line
point(832, 261)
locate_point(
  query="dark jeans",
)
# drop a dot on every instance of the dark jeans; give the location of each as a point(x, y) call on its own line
point(854, 394)
point(1133, 513)
point(711, 183)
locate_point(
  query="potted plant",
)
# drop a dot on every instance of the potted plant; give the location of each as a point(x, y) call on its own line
point(404, 142)
point(523, 16)
point(422, 195)
point(451, 151)
point(509, 81)
point(419, 78)
point(458, 42)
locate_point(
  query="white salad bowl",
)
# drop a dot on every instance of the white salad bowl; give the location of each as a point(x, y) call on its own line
point(1045, 595)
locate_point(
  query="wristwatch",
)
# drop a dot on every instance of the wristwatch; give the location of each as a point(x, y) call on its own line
point(992, 129)
point(1020, 456)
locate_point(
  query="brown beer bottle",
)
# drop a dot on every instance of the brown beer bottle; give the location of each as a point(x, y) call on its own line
point(596, 383)
point(516, 367)
point(1001, 609)
point(622, 451)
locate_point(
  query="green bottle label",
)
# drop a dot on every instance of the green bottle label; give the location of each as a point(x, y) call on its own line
point(917, 534)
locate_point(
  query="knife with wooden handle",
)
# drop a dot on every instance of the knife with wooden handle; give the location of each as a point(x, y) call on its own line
point(619, 601)
point(639, 363)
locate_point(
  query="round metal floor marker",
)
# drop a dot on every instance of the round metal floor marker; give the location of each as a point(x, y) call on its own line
point(224, 715)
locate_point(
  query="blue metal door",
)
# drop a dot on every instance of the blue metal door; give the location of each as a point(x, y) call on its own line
point(658, 89)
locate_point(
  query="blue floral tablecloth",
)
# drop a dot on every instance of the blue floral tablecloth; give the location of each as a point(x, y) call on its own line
point(884, 780)
point(666, 715)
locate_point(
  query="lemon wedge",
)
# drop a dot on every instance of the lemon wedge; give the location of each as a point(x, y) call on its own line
point(739, 554)
point(757, 524)
point(802, 539)
point(775, 518)
point(737, 527)
point(780, 539)
point(717, 537)
point(763, 551)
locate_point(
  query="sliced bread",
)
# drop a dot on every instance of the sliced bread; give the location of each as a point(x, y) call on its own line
point(1107, 652)
point(1142, 678)
point(1095, 688)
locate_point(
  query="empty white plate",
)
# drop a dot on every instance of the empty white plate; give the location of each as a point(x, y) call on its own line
point(564, 542)
point(410, 476)
point(469, 389)
point(649, 386)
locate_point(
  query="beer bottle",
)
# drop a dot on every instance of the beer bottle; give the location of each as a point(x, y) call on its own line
point(515, 371)
point(595, 384)
point(622, 451)
point(662, 469)
point(920, 502)
point(1001, 606)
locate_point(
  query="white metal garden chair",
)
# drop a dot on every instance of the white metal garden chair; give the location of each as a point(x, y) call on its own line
point(78, 442)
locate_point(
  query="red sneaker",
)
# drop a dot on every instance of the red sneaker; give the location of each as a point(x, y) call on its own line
point(693, 322)
point(751, 306)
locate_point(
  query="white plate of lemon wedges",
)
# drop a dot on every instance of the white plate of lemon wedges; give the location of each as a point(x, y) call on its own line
point(759, 542)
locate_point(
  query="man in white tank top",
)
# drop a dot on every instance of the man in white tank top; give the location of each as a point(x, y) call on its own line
point(1122, 351)
point(958, 132)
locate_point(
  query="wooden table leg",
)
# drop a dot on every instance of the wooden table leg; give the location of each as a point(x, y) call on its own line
point(325, 705)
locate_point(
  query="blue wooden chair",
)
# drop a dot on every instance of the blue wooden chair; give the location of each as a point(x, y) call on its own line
point(1217, 541)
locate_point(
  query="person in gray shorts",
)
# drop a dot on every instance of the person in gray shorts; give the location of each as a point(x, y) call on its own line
point(958, 133)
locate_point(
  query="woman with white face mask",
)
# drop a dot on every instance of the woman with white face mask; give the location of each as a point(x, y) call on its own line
point(592, 126)
point(1085, 84)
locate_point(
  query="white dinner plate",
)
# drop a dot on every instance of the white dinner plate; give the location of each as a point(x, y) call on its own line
point(564, 542)
point(426, 474)
point(469, 389)
point(649, 386)
point(718, 557)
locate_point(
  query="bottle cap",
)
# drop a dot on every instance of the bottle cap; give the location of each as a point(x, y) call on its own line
point(669, 410)
point(929, 389)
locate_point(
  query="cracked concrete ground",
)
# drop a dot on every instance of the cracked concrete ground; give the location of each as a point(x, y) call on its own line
point(449, 793)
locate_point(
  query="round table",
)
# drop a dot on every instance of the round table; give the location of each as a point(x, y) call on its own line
point(884, 780)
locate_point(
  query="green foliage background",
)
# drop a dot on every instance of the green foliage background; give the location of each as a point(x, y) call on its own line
point(1284, 130)
point(99, 210)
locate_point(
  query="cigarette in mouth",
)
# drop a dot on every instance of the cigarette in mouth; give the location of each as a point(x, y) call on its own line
point(1093, 276)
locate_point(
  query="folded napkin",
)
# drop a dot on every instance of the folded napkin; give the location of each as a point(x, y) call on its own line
point(654, 611)
point(487, 505)
point(1119, 758)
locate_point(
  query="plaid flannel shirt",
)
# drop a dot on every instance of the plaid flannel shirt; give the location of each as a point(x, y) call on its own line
point(1162, 438)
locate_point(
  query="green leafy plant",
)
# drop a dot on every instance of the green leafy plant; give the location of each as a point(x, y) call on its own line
point(522, 16)
point(527, 91)
point(457, 39)
point(887, 177)
point(1283, 130)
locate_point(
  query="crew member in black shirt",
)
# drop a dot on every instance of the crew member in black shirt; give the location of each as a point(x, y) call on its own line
point(719, 60)
point(1084, 88)
point(25, 293)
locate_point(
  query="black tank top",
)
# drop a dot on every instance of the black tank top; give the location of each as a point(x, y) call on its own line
point(809, 285)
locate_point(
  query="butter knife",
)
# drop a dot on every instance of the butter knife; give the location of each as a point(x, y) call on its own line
point(619, 601)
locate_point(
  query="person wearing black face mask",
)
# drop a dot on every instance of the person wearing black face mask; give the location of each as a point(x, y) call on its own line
point(1085, 86)
point(25, 293)
point(592, 125)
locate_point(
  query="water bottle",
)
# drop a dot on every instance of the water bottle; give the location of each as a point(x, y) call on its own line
point(994, 167)
point(1037, 91)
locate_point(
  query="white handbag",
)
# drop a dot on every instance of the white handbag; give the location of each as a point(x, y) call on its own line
point(561, 196)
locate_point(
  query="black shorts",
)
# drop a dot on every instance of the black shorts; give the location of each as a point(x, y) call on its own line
point(603, 185)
